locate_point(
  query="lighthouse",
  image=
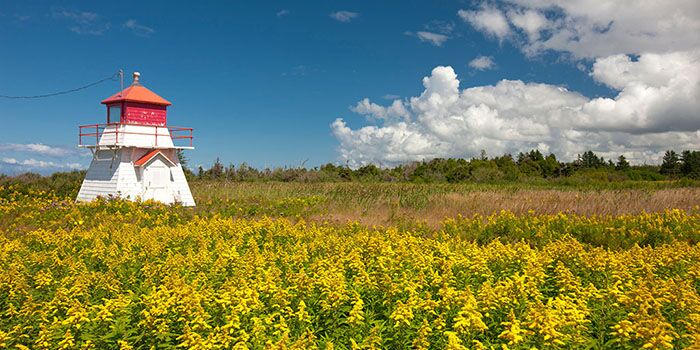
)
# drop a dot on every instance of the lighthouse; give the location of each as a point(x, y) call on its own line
point(135, 153)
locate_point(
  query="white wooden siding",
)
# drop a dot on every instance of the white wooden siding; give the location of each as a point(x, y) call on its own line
point(112, 172)
point(136, 136)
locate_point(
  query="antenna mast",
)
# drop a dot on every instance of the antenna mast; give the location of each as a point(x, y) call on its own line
point(121, 81)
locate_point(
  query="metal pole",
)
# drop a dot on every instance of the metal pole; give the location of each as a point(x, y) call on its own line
point(121, 82)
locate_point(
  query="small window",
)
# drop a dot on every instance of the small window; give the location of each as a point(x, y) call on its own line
point(115, 113)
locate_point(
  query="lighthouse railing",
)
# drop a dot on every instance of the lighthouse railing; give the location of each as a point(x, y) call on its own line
point(180, 133)
point(87, 132)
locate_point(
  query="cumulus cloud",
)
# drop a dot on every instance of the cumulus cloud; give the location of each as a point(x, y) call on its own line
point(647, 52)
point(397, 110)
point(489, 20)
point(138, 29)
point(12, 166)
point(37, 157)
point(513, 116)
point(591, 29)
point(658, 92)
point(37, 148)
point(34, 163)
point(482, 63)
point(530, 22)
point(344, 16)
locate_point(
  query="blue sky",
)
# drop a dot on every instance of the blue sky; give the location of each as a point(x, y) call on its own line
point(264, 82)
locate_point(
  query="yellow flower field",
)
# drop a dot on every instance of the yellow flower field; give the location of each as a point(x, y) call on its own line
point(122, 275)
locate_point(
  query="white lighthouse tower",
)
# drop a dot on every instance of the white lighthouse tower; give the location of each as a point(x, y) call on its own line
point(134, 153)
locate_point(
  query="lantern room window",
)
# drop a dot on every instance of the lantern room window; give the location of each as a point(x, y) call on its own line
point(114, 114)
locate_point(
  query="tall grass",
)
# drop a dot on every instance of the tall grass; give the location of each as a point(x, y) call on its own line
point(396, 203)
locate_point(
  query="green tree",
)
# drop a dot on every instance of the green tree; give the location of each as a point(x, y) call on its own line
point(507, 166)
point(550, 166)
point(622, 163)
point(690, 164)
point(671, 164)
point(182, 158)
point(590, 160)
point(368, 172)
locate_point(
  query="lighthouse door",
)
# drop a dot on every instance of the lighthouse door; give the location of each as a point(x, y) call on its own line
point(156, 180)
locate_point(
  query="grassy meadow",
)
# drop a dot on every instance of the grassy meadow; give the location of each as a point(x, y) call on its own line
point(386, 204)
point(352, 265)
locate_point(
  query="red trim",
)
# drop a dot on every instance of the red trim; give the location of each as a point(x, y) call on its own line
point(150, 155)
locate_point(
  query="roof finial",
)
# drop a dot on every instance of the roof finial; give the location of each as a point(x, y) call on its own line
point(136, 78)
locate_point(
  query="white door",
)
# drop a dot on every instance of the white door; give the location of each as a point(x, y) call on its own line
point(157, 182)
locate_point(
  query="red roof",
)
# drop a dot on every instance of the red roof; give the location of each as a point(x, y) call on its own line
point(150, 155)
point(137, 93)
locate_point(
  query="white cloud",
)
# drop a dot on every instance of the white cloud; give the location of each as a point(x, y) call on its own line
point(650, 116)
point(397, 110)
point(344, 16)
point(138, 29)
point(32, 163)
point(593, 28)
point(37, 148)
point(658, 92)
point(432, 38)
point(482, 63)
point(489, 20)
point(82, 22)
point(648, 52)
point(529, 21)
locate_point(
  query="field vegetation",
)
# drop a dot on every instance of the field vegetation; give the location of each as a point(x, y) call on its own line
point(530, 167)
point(555, 263)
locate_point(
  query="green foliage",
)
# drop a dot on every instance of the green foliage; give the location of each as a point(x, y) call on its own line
point(622, 163)
point(690, 166)
point(671, 164)
point(530, 167)
point(64, 184)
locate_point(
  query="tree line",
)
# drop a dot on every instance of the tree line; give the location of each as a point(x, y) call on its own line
point(528, 165)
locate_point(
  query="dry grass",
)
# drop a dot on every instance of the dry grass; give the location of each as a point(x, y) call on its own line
point(390, 204)
point(441, 206)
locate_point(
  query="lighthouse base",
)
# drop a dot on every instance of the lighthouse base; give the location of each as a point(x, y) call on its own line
point(136, 174)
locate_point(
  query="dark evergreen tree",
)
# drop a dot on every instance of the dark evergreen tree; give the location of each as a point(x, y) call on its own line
point(182, 158)
point(671, 164)
point(690, 164)
point(622, 163)
point(591, 160)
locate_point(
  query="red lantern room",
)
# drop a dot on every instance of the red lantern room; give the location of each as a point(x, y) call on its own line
point(136, 105)
point(136, 116)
